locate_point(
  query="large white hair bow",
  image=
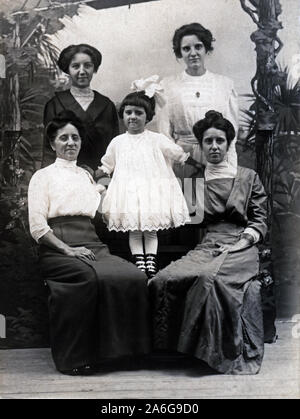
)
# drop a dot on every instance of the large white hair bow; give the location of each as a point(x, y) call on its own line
point(152, 87)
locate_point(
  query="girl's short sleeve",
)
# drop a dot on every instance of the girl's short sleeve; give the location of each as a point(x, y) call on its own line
point(164, 124)
point(171, 150)
point(108, 161)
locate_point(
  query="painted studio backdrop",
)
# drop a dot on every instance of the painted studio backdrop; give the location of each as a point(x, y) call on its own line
point(135, 41)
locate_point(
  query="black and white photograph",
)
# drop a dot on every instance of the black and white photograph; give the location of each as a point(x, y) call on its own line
point(149, 202)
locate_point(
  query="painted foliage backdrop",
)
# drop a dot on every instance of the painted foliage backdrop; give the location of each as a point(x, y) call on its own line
point(135, 42)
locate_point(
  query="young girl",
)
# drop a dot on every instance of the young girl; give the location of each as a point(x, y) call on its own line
point(144, 195)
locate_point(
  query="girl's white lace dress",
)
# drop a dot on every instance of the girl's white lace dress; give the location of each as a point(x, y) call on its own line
point(144, 193)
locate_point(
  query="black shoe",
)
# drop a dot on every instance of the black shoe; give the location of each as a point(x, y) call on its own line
point(151, 265)
point(139, 261)
point(84, 370)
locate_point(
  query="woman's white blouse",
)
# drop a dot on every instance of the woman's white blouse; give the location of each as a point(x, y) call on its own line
point(190, 97)
point(60, 189)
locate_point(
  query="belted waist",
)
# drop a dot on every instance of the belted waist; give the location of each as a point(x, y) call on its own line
point(68, 219)
point(74, 230)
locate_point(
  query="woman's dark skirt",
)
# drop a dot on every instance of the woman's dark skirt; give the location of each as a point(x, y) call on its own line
point(210, 307)
point(97, 309)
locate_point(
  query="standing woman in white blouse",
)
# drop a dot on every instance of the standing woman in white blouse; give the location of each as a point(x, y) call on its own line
point(98, 303)
point(193, 93)
point(96, 111)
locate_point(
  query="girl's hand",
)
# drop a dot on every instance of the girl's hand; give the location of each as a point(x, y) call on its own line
point(194, 163)
point(80, 252)
point(100, 188)
point(198, 166)
point(199, 172)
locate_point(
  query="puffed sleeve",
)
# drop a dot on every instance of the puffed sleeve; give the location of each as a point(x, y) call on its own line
point(233, 107)
point(171, 150)
point(257, 208)
point(108, 161)
point(38, 205)
point(232, 114)
point(164, 124)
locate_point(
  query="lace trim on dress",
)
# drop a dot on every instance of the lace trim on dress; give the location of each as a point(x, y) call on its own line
point(124, 227)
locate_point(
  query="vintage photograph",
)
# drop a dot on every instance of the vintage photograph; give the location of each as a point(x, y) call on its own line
point(150, 201)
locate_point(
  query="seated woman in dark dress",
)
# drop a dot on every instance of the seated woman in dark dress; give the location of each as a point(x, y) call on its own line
point(98, 303)
point(97, 112)
point(207, 304)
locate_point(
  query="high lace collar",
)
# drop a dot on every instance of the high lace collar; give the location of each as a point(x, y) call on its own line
point(85, 92)
point(65, 163)
point(220, 170)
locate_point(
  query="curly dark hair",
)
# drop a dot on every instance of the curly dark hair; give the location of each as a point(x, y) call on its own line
point(139, 99)
point(61, 120)
point(204, 35)
point(68, 53)
point(214, 119)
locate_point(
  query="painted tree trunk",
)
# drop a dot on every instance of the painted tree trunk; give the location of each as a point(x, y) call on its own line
point(267, 77)
point(265, 15)
point(16, 86)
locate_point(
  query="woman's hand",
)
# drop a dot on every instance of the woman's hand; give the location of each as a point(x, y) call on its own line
point(80, 252)
point(240, 245)
point(49, 239)
point(221, 249)
point(243, 243)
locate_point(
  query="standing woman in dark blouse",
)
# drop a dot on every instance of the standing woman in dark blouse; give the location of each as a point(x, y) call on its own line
point(97, 112)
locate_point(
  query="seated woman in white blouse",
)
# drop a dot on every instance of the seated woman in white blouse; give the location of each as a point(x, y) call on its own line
point(98, 304)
